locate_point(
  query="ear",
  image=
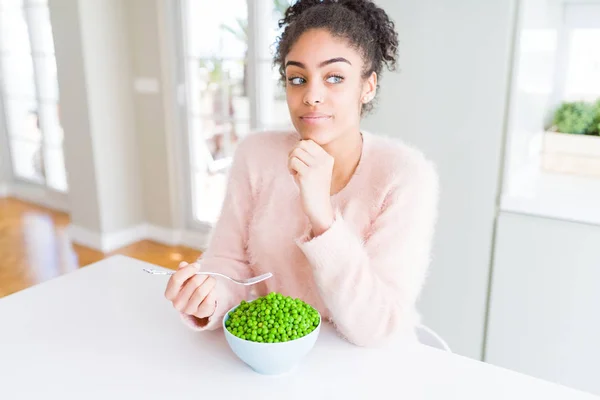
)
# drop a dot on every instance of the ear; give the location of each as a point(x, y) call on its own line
point(369, 88)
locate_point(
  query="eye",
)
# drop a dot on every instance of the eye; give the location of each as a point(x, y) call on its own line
point(335, 79)
point(296, 80)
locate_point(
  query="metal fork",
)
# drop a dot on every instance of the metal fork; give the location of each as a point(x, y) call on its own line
point(245, 282)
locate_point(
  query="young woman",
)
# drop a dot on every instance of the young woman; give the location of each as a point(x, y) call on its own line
point(342, 218)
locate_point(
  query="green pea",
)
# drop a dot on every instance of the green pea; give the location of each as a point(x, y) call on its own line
point(273, 317)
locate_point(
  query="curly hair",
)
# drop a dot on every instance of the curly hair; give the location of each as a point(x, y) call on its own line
point(365, 26)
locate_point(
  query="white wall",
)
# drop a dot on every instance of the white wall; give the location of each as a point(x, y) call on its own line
point(544, 305)
point(78, 147)
point(101, 142)
point(106, 53)
point(124, 183)
point(148, 31)
point(449, 99)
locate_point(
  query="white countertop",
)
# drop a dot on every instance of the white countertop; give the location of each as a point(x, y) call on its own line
point(106, 330)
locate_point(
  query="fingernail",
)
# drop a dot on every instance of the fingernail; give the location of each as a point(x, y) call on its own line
point(182, 264)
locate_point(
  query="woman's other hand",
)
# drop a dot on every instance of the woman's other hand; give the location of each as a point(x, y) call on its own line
point(312, 167)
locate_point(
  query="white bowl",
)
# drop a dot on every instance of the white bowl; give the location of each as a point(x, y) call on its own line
point(271, 358)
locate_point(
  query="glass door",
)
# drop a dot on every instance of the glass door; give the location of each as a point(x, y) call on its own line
point(30, 94)
point(231, 90)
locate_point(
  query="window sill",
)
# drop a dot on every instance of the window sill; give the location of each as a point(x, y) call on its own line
point(557, 196)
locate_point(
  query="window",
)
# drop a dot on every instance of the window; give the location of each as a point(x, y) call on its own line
point(582, 74)
point(30, 93)
point(231, 89)
point(556, 61)
point(581, 52)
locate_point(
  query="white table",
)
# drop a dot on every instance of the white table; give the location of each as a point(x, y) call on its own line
point(106, 330)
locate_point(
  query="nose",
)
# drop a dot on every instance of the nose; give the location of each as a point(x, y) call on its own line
point(314, 95)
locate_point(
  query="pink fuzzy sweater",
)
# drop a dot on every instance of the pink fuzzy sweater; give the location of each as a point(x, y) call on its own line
point(364, 273)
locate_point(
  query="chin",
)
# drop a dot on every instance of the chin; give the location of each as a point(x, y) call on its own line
point(319, 136)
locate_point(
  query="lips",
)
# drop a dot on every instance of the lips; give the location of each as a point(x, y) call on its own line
point(315, 118)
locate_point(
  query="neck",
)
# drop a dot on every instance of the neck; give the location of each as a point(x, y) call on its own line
point(346, 151)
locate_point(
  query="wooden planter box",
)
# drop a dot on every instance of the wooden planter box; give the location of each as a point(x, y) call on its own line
point(571, 154)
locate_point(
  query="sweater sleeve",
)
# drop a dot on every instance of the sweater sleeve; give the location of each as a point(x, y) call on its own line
point(226, 252)
point(370, 286)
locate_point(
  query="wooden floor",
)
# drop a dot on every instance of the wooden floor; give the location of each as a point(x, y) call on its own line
point(35, 247)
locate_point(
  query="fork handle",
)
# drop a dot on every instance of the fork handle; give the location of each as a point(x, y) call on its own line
point(156, 272)
point(173, 273)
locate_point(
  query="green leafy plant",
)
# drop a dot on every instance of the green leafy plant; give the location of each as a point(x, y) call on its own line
point(575, 117)
point(595, 127)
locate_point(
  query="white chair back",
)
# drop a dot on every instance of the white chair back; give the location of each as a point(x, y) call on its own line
point(428, 337)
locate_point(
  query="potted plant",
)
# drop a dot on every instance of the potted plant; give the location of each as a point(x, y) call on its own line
point(572, 143)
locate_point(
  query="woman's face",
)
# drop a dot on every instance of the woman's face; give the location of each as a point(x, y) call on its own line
point(324, 86)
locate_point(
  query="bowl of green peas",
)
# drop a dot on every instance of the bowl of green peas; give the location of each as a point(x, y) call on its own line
point(272, 334)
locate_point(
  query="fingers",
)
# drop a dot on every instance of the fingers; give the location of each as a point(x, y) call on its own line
point(311, 147)
point(178, 279)
point(302, 160)
point(191, 293)
point(302, 155)
point(208, 306)
point(317, 156)
point(183, 298)
point(295, 165)
point(198, 296)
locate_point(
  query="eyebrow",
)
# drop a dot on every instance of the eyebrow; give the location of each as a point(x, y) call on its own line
point(321, 65)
